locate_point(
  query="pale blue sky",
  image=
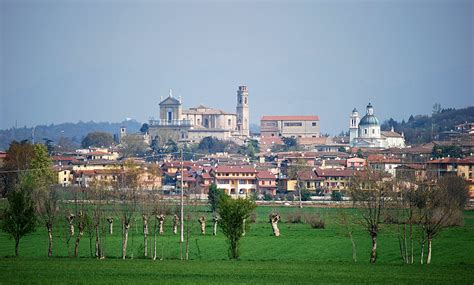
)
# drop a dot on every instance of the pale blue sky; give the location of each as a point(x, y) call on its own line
point(64, 61)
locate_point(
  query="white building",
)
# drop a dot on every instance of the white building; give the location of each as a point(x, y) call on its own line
point(366, 132)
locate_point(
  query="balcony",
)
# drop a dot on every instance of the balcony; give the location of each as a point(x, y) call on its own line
point(184, 123)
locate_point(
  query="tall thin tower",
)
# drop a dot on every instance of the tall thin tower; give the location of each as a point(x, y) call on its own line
point(243, 111)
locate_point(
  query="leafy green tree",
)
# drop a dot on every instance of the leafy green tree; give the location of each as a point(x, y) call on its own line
point(305, 194)
point(134, 146)
point(98, 139)
point(233, 212)
point(336, 196)
point(290, 142)
point(41, 178)
point(19, 218)
point(214, 197)
point(144, 128)
point(447, 151)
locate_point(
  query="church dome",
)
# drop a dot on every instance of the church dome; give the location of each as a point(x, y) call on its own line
point(369, 120)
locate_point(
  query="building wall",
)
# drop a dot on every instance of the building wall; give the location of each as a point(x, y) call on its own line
point(300, 128)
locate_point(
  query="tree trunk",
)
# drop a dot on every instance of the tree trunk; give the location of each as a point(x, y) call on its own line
point(175, 224)
point(243, 227)
point(373, 254)
point(405, 241)
point(428, 259)
point(17, 243)
point(98, 250)
point(125, 240)
point(422, 250)
point(78, 239)
point(202, 221)
point(50, 236)
point(111, 225)
point(187, 236)
point(354, 248)
point(145, 235)
point(214, 232)
point(154, 244)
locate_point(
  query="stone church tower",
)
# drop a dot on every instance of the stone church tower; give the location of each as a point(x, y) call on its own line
point(243, 111)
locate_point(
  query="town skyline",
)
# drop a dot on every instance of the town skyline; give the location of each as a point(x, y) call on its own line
point(67, 62)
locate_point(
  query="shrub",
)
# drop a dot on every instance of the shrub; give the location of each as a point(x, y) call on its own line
point(315, 221)
point(267, 197)
point(305, 195)
point(253, 217)
point(294, 218)
point(336, 196)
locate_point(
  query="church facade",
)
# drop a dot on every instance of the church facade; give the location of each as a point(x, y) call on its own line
point(366, 133)
point(194, 124)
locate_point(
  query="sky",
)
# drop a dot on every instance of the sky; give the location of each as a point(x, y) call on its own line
point(65, 61)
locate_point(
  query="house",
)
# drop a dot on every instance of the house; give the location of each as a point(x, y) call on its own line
point(235, 180)
point(383, 163)
point(334, 179)
point(266, 183)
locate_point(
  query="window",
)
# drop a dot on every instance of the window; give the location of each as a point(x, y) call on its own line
point(373, 131)
point(198, 121)
point(245, 100)
point(365, 131)
point(270, 124)
point(229, 122)
point(293, 124)
point(313, 124)
point(64, 179)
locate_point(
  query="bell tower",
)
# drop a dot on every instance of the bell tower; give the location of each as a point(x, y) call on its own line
point(243, 111)
point(353, 126)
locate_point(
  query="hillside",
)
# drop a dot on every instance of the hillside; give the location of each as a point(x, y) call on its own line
point(423, 128)
point(74, 131)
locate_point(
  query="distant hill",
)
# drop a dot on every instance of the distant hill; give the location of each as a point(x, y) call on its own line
point(74, 131)
point(423, 128)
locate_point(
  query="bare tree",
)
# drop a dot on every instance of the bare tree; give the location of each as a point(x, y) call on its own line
point(47, 208)
point(274, 218)
point(345, 221)
point(128, 197)
point(370, 192)
point(294, 172)
point(440, 205)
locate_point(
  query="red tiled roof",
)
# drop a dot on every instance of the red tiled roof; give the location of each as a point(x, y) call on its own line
point(376, 158)
point(97, 153)
point(265, 174)
point(270, 140)
point(290, 118)
point(444, 160)
point(313, 141)
point(235, 169)
point(308, 175)
point(334, 172)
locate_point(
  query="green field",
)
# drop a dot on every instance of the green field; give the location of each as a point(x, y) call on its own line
point(300, 255)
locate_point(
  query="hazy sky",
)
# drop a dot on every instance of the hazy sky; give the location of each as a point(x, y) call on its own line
point(65, 61)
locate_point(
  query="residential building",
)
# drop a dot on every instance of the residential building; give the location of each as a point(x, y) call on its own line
point(235, 180)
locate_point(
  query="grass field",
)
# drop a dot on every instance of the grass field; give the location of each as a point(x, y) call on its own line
point(300, 255)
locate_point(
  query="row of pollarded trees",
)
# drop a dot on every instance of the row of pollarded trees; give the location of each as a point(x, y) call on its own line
point(427, 206)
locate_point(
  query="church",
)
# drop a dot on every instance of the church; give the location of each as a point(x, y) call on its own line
point(193, 124)
point(365, 132)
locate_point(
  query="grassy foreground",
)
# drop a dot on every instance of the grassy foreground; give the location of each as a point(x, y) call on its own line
point(42, 270)
point(300, 255)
